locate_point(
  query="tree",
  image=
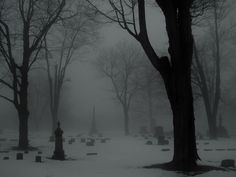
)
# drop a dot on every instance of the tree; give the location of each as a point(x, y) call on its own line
point(207, 64)
point(175, 69)
point(20, 45)
point(150, 92)
point(119, 64)
point(72, 34)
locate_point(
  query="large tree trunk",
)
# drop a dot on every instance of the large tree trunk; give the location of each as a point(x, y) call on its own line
point(185, 153)
point(23, 129)
point(23, 111)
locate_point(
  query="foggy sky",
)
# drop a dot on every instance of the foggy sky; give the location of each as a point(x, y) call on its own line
point(87, 88)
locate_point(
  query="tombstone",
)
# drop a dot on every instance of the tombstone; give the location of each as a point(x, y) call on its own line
point(221, 130)
point(58, 152)
point(162, 140)
point(92, 153)
point(19, 156)
point(149, 142)
point(158, 131)
point(6, 158)
point(228, 163)
point(143, 130)
point(3, 139)
point(103, 140)
point(90, 142)
point(38, 158)
point(70, 142)
point(82, 140)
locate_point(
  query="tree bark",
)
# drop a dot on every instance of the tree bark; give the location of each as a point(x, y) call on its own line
point(23, 129)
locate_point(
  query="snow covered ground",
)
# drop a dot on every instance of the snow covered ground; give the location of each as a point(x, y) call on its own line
point(119, 157)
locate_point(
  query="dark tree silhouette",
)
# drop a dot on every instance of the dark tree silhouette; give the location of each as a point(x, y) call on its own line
point(207, 63)
point(36, 19)
point(119, 64)
point(175, 69)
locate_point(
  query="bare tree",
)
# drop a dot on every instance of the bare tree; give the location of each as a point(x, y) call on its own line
point(71, 35)
point(175, 69)
point(20, 45)
point(207, 63)
point(119, 64)
point(150, 92)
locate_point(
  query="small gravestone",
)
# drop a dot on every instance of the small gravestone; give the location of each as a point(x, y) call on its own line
point(3, 139)
point(69, 142)
point(143, 130)
point(149, 142)
point(158, 131)
point(92, 153)
point(58, 152)
point(220, 149)
point(6, 158)
point(231, 149)
point(38, 158)
point(162, 140)
point(90, 142)
point(82, 140)
point(228, 163)
point(19, 156)
point(103, 140)
point(221, 130)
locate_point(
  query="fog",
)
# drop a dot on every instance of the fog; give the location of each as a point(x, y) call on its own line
point(87, 88)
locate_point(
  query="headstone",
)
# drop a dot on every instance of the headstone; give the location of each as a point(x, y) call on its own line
point(143, 130)
point(38, 158)
point(220, 149)
point(58, 152)
point(162, 140)
point(103, 140)
point(90, 142)
point(19, 156)
point(149, 142)
point(3, 139)
point(82, 140)
point(92, 153)
point(221, 130)
point(6, 158)
point(158, 131)
point(228, 163)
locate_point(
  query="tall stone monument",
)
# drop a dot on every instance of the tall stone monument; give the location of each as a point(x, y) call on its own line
point(58, 152)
